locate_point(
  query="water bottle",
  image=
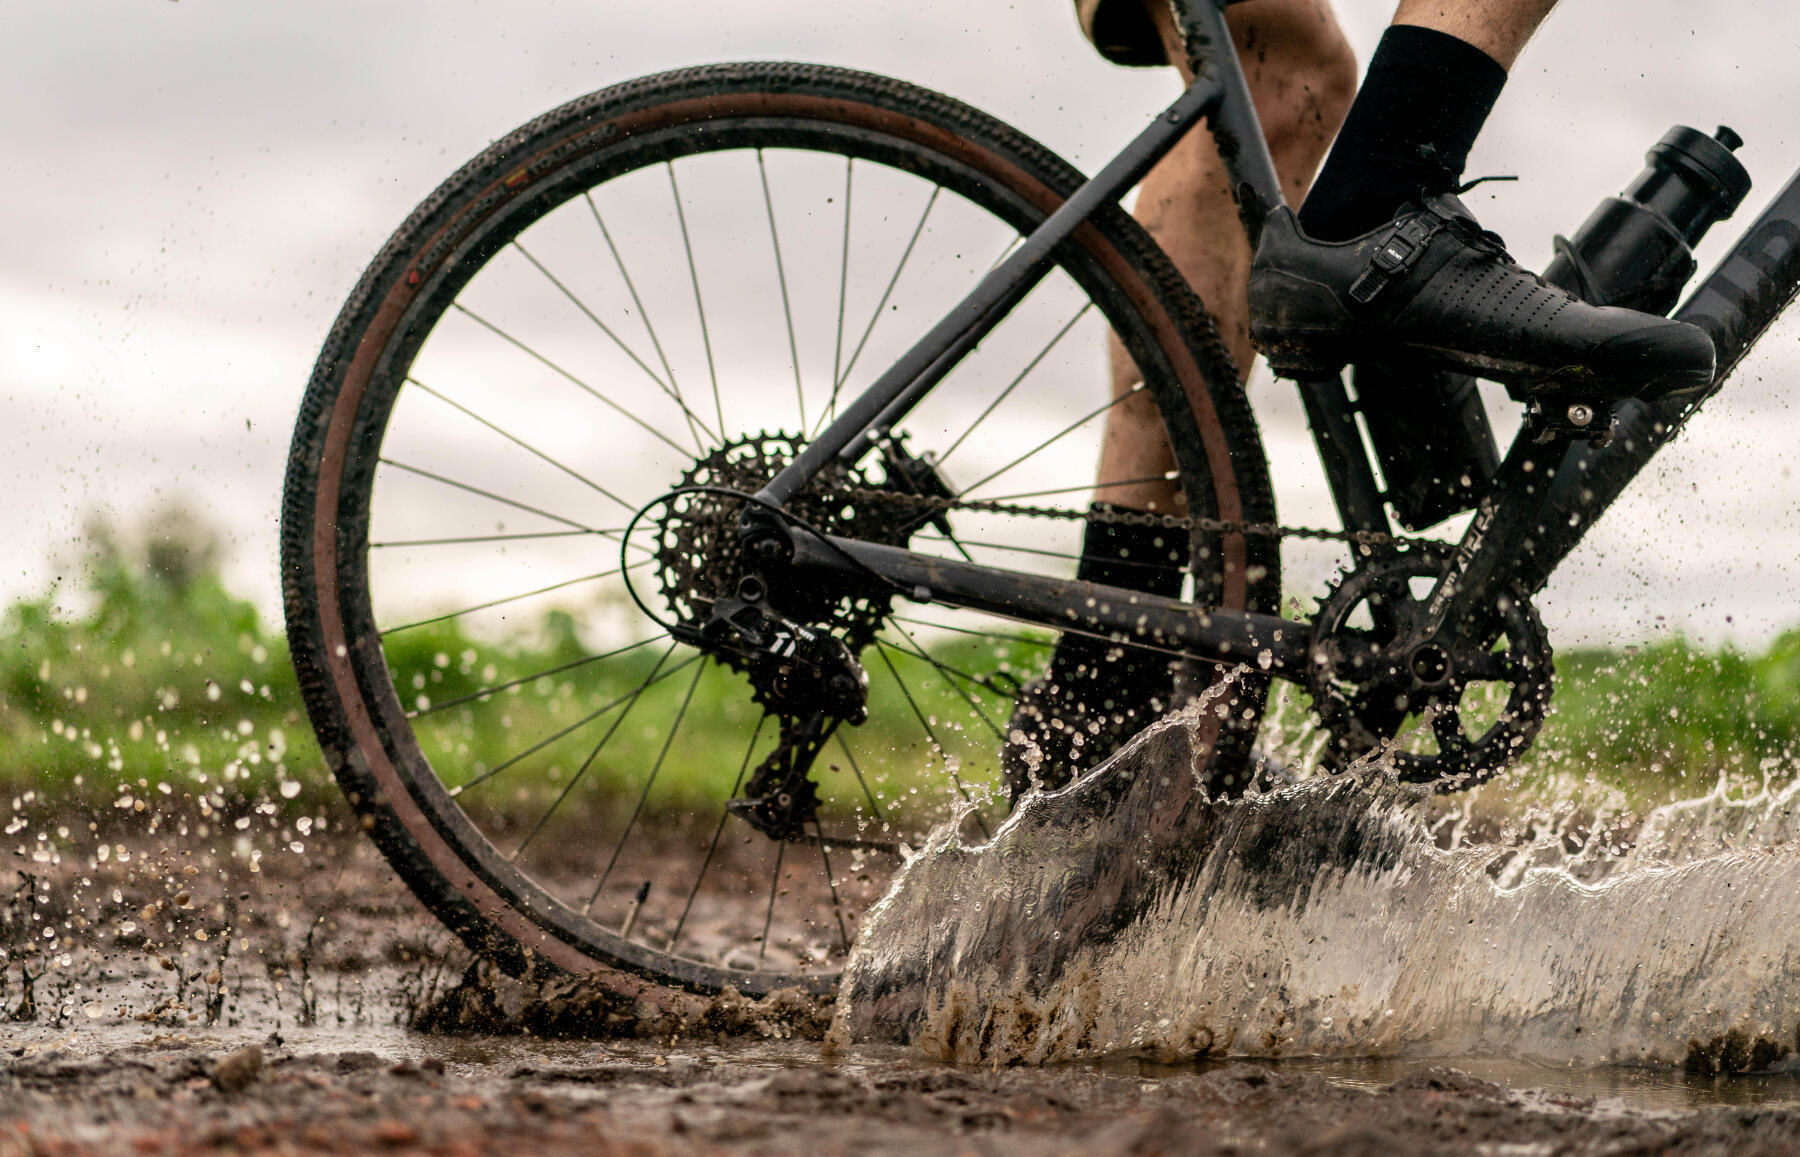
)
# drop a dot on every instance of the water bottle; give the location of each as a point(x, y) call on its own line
point(1637, 249)
point(1429, 431)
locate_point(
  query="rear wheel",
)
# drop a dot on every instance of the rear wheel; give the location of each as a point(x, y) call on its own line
point(672, 282)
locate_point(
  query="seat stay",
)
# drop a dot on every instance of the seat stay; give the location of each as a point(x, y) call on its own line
point(1267, 643)
point(866, 419)
point(1236, 130)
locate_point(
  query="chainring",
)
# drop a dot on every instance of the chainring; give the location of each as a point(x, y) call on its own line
point(1369, 674)
point(700, 559)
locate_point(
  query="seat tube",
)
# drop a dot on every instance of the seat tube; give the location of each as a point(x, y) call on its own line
point(1233, 122)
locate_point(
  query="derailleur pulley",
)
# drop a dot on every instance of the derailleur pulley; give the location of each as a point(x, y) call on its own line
point(794, 669)
point(808, 679)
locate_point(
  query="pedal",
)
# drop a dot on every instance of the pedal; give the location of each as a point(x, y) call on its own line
point(1549, 419)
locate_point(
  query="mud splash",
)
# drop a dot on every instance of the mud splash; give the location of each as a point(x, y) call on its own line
point(1130, 913)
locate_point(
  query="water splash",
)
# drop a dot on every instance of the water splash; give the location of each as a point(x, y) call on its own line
point(1130, 913)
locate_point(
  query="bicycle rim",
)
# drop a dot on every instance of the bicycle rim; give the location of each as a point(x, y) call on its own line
point(679, 280)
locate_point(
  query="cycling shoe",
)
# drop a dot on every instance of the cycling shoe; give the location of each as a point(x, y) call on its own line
point(1433, 285)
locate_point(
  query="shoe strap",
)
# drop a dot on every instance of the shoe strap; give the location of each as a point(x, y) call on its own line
point(1396, 253)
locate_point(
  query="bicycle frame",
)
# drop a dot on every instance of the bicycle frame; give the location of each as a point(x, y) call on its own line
point(1537, 509)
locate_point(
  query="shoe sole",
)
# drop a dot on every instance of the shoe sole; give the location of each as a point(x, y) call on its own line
point(1302, 360)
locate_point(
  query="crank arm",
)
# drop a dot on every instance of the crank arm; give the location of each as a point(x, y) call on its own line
point(1265, 642)
point(1507, 531)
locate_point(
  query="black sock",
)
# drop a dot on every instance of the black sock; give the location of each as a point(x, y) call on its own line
point(1409, 131)
point(1151, 559)
point(1100, 674)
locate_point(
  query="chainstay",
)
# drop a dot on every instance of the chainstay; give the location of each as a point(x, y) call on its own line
point(921, 502)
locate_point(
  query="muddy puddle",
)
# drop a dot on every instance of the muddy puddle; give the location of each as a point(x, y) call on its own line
point(1332, 967)
point(325, 1090)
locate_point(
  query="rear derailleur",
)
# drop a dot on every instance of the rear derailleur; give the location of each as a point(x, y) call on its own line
point(807, 678)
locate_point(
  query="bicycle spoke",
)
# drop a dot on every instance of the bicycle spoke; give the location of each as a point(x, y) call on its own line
point(671, 389)
point(857, 771)
point(837, 351)
point(1054, 438)
point(837, 908)
point(595, 318)
point(1026, 639)
point(889, 291)
point(787, 309)
point(762, 944)
point(496, 688)
point(504, 501)
point(587, 578)
point(960, 548)
point(581, 771)
point(521, 443)
point(882, 649)
point(1005, 253)
point(474, 538)
point(628, 698)
point(695, 423)
point(1012, 385)
point(713, 848)
point(649, 783)
point(687, 247)
point(567, 376)
point(951, 676)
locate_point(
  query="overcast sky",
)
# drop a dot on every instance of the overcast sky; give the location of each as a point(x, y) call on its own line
point(194, 186)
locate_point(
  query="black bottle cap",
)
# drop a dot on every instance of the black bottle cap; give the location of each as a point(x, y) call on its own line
point(1708, 159)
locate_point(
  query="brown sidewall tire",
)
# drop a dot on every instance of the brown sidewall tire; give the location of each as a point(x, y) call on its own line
point(447, 863)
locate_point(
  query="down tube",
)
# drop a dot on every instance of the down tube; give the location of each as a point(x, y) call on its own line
point(1734, 305)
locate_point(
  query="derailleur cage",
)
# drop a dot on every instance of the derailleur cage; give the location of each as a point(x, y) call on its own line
point(808, 679)
point(781, 798)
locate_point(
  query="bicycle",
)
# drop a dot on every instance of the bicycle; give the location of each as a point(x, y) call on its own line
point(774, 566)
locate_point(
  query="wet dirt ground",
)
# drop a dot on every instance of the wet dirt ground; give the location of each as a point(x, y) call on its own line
point(182, 1002)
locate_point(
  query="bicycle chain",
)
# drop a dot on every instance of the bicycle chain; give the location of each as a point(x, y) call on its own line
point(1135, 518)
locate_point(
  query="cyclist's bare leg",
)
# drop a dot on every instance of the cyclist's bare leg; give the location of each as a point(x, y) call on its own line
point(1302, 76)
point(1499, 28)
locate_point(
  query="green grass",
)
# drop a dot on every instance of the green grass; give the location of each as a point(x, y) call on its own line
point(1647, 723)
point(1666, 720)
point(467, 741)
point(162, 676)
point(153, 677)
